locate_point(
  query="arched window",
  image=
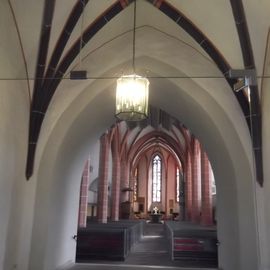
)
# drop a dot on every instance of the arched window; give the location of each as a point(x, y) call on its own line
point(156, 180)
point(135, 187)
point(177, 184)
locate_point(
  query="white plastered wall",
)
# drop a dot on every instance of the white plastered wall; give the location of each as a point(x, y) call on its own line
point(16, 194)
point(13, 146)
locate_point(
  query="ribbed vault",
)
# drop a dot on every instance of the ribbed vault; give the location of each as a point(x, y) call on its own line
point(55, 61)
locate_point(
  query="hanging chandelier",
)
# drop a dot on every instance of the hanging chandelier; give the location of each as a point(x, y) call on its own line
point(132, 98)
point(132, 91)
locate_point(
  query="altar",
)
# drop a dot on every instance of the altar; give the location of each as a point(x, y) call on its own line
point(155, 218)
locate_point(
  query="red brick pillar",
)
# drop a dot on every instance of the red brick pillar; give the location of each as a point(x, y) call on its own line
point(84, 195)
point(188, 186)
point(102, 207)
point(115, 181)
point(196, 182)
point(207, 214)
point(124, 180)
point(131, 185)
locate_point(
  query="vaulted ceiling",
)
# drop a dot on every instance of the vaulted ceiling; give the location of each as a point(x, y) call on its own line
point(180, 44)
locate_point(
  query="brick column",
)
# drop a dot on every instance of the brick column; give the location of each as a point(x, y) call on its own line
point(84, 195)
point(115, 182)
point(182, 206)
point(188, 186)
point(102, 207)
point(196, 182)
point(207, 214)
point(124, 179)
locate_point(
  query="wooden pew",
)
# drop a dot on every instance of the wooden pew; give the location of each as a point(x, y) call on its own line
point(101, 244)
point(111, 241)
point(192, 244)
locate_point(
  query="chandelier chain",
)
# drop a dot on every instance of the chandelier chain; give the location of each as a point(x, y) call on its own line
point(134, 37)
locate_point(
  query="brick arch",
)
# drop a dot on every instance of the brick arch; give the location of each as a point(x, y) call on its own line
point(152, 137)
point(167, 155)
point(82, 217)
point(150, 145)
point(162, 146)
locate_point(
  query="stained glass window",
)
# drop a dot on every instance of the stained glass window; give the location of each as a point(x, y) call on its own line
point(156, 181)
point(135, 188)
point(177, 184)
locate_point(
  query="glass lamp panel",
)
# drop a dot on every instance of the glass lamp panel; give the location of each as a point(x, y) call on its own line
point(132, 98)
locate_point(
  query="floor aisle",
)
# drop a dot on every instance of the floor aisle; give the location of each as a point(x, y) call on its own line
point(152, 249)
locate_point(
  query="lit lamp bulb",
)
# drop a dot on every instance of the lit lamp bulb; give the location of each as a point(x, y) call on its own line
point(132, 93)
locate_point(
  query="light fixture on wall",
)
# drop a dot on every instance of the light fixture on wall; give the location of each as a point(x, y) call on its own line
point(132, 91)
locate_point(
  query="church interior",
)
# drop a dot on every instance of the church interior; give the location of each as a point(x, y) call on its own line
point(177, 178)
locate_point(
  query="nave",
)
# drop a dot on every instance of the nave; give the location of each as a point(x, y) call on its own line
point(190, 54)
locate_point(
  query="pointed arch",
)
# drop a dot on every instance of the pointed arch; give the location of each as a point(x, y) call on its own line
point(156, 178)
